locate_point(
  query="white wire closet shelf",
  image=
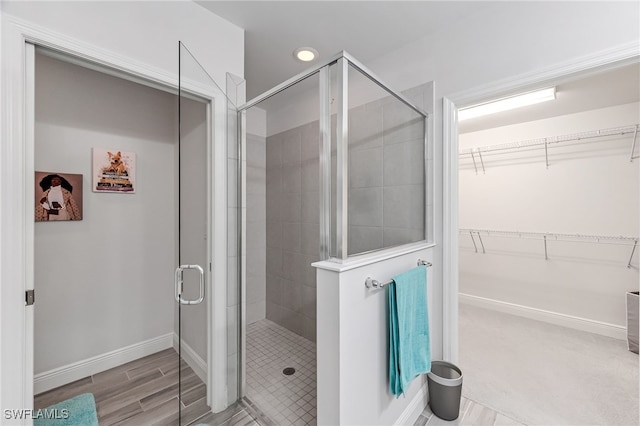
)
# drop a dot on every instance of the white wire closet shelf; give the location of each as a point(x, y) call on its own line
point(550, 236)
point(549, 142)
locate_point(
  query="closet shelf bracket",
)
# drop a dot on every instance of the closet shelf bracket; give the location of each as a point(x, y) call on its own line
point(475, 166)
point(546, 152)
point(633, 250)
point(473, 157)
point(481, 243)
point(474, 241)
point(633, 145)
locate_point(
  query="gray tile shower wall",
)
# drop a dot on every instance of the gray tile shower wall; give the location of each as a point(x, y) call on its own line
point(386, 198)
point(293, 230)
point(256, 238)
point(422, 96)
point(386, 172)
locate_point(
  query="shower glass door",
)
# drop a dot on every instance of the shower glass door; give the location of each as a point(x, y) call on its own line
point(199, 97)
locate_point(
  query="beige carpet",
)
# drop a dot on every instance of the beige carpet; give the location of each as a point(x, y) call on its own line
point(543, 374)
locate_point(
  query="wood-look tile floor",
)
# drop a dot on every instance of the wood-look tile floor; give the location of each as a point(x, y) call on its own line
point(145, 392)
point(141, 392)
point(471, 414)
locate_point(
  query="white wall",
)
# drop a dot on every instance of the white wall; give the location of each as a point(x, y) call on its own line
point(257, 122)
point(588, 189)
point(105, 282)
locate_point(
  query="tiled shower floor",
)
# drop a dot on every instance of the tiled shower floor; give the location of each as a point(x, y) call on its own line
point(285, 400)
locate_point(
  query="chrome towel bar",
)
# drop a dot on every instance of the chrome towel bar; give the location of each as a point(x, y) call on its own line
point(371, 283)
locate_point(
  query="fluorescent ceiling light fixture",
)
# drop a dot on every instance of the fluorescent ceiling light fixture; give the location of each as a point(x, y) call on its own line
point(506, 104)
point(305, 54)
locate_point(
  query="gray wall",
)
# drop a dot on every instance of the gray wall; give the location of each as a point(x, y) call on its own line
point(292, 220)
point(105, 282)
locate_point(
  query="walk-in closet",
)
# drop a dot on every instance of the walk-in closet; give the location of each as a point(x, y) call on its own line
point(548, 249)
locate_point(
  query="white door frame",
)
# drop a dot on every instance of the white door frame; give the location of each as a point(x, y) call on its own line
point(615, 57)
point(16, 193)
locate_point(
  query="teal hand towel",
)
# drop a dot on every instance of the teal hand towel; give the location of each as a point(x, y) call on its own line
point(409, 346)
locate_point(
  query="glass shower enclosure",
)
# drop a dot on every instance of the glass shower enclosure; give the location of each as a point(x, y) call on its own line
point(324, 160)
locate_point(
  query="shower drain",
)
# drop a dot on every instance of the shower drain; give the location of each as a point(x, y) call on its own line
point(288, 371)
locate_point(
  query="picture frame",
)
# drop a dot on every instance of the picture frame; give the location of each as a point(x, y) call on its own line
point(58, 196)
point(114, 171)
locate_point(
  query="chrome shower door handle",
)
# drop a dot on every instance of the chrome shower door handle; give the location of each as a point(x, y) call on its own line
point(179, 282)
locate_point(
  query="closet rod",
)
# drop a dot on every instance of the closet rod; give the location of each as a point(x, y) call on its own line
point(550, 141)
point(546, 236)
point(598, 239)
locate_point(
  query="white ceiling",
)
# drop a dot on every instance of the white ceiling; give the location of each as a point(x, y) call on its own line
point(370, 29)
point(365, 29)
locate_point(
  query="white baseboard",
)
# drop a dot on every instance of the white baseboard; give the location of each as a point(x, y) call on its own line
point(190, 356)
point(415, 407)
point(69, 373)
point(569, 321)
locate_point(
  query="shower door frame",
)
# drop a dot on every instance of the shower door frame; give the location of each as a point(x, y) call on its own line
point(17, 87)
point(342, 60)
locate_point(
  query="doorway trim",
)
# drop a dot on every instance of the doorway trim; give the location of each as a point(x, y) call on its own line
point(16, 185)
point(615, 57)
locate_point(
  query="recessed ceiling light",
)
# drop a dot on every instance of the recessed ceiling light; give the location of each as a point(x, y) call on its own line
point(505, 104)
point(305, 54)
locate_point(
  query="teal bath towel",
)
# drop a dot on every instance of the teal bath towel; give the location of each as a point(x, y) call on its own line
point(409, 347)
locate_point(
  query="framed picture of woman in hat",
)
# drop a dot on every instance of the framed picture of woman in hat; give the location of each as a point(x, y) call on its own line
point(58, 197)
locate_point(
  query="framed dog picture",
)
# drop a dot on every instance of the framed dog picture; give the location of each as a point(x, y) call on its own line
point(114, 171)
point(58, 196)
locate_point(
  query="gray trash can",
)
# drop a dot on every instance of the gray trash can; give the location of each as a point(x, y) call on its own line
point(445, 389)
point(633, 312)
